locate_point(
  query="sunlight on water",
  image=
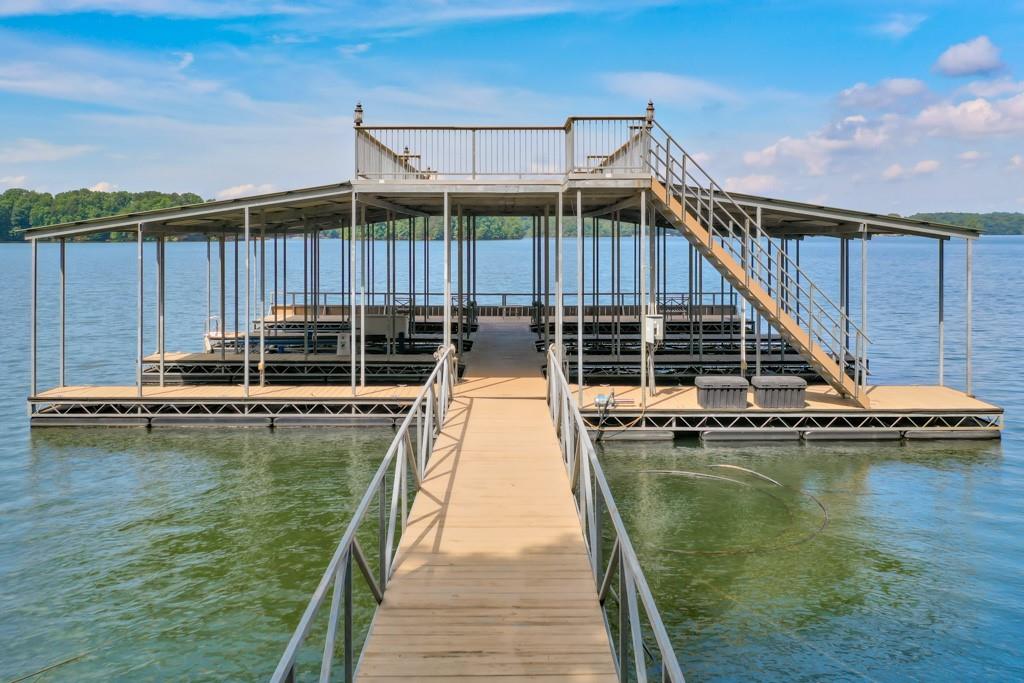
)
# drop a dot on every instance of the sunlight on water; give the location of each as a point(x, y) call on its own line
point(190, 553)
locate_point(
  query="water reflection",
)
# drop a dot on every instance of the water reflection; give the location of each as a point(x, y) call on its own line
point(751, 585)
point(162, 542)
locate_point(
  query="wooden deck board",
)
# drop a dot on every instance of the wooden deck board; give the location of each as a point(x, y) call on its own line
point(492, 577)
point(819, 398)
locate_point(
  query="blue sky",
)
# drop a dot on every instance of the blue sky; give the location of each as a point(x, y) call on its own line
point(870, 104)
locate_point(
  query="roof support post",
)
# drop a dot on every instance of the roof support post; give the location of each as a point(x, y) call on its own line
point(223, 297)
point(643, 269)
point(426, 267)
point(742, 300)
point(969, 286)
point(160, 304)
point(364, 273)
point(352, 291)
point(63, 304)
point(547, 276)
point(140, 313)
point(579, 298)
point(942, 322)
point(248, 305)
point(34, 314)
point(460, 270)
point(863, 302)
point(263, 300)
point(559, 300)
point(209, 288)
point(447, 233)
point(235, 300)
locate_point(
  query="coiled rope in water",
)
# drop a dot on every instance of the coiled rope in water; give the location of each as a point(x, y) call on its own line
point(752, 548)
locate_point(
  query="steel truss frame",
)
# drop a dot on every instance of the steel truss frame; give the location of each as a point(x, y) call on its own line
point(803, 422)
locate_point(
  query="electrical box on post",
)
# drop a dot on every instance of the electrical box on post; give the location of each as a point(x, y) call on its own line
point(655, 329)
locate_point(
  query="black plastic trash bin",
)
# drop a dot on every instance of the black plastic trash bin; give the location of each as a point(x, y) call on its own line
point(779, 392)
point(722, 393)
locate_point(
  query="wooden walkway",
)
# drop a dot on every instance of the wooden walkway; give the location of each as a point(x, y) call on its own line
point(492, 576)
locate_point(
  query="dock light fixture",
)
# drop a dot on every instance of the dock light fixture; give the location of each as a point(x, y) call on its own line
point(649, 115)
point(357, 115)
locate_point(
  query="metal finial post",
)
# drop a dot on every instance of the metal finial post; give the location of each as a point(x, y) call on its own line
point(357, 115)
point(650, 112)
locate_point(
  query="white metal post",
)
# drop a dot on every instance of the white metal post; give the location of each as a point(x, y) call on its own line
point(248, 306)
point(352, 291)
point(160, 328)
point(263, 299)
point(362, 301)
point(642, 274)
point(447, 231)
point(863, 360)
point(559, 321)
point(63, 297)
point(141, 314)
point(942, 278)
point(34, 316)
point(579, 298)
point(969, 286)
point(209, 288)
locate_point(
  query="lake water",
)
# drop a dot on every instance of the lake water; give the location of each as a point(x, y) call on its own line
point(190, 553)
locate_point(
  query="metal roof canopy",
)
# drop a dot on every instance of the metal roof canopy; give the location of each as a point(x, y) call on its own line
point(329, 206)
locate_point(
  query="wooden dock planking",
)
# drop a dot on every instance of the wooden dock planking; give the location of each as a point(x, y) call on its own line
point(819, 398)
point(192, 392)
point(492, 576)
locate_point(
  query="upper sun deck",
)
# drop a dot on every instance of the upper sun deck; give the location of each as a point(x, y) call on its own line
point(406, 170)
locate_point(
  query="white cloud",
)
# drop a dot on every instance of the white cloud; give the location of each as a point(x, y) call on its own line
point(13, 181)
point(30, 150)
point(975, 117)
point(970, 155)
point(977, 56)
point(701, 157)
point(328, 16)
point(815, 151)
point(128, 80)
point(349, 51)
point(208, 9)
point(887, 93)
point(995, 87)
point(291, 39)
point(185, 60)
point(103, 186)
point(666, 87)
point(898, 172)
point(1017, 162)
point(751, 184)
point(245, 190)
point(899, 25)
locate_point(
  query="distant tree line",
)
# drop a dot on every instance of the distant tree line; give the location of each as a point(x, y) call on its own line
point(20, 209)
point(996, 223)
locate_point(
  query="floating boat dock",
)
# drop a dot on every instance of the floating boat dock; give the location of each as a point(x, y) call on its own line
point(499, 549)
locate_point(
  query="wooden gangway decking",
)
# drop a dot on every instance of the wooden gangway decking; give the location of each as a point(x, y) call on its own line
point(492, 577)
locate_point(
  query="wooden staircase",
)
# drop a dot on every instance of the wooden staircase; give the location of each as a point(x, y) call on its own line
point(711, 245)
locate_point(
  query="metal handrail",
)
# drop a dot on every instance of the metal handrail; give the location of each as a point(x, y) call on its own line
point(337, 298)
point(605, 144)
point(796, 294)
point(409, 451)
point(594, 502)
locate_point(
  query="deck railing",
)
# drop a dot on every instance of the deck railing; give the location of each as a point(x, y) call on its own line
point(607, 144)
point(675, 301)
point(409, 453)
point(636, 616)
